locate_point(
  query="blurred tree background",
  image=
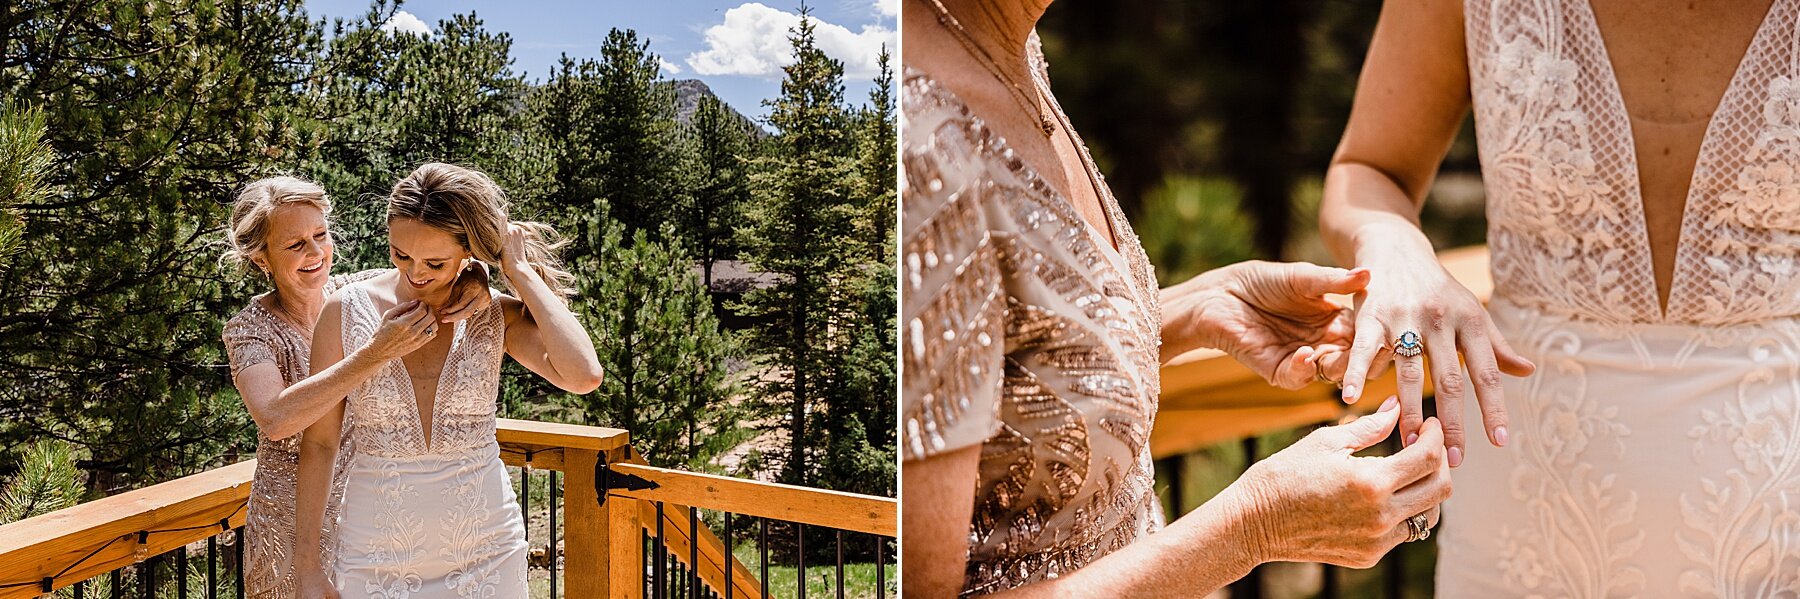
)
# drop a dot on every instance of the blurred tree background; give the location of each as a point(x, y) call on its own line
point(1214, 122)
point(129, 124)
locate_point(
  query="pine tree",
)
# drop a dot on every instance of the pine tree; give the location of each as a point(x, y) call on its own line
point(24, 166)
point(668, 379)
point(635, 136)
point(110, 311)
point(879, 172)
point(802, 229)
point(47, 481)
point(715, 207)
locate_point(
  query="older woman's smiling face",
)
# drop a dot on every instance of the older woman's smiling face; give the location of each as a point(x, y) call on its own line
point(299, 248)
point(428, 258)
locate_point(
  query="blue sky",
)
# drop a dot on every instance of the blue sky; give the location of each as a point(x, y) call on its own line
point(736, 47)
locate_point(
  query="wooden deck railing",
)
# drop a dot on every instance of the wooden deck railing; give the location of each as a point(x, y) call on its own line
point(611, 522)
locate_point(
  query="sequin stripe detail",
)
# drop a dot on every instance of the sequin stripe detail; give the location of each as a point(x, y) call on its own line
point(958, 371)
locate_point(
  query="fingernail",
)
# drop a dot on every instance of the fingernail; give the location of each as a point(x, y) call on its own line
point(1390, 404)
point(1455, 454)
point(1411, 439)
point(1500, 436)
point(1350, 394)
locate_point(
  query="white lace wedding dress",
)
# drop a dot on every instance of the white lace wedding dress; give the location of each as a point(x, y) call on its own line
point(435, 519)
point(1654, 454)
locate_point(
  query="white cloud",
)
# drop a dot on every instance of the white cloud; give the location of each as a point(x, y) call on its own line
point(405, 22)
point(669, 67)
point(753, 40)
point(887, 8)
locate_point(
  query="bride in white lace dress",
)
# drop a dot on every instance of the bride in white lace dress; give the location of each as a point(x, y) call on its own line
point(427, 509)
point(1644, 219)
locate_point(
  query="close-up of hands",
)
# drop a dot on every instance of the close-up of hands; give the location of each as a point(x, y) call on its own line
point(1272, 317)
point(1410, 292)
point(1317, 502)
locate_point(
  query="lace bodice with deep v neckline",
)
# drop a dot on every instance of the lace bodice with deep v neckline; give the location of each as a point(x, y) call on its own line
point(1565, 210)
point(462, 413)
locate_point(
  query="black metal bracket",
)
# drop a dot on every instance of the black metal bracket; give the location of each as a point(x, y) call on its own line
point(606, 480)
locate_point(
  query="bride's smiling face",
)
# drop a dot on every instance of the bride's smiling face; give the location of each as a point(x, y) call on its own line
point(298, 249)
point(429, 259)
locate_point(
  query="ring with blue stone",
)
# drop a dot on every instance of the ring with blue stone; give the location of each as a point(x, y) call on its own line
point(1407, 344)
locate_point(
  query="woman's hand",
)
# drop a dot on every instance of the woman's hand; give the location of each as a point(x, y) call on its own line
point(310, 583)
point(469, 295)
point(1316, 502)
point(1411, 292)
point(1272, 317)
point(404, 328)
point(512, 255)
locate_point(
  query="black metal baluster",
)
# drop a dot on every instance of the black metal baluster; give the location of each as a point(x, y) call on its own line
point(880, 568)
point(212, 567)
point(662, 546)
point(118, 584)
point(840, 569)
point(800, 533)
point(237, 558)
point(693, 552)
point(147, 576)
point(81, 590)
point(762, 543)
point(649, 557)
point(181, 557)
point(525, 500)
point(1329, 586)
point(730, 558)
point(555, 556)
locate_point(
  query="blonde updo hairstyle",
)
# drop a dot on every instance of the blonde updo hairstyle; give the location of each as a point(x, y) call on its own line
point(469, 206)
point(247, 234)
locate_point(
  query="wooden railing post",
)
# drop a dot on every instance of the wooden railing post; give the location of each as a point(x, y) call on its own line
point(586, 538)
point(627, 542)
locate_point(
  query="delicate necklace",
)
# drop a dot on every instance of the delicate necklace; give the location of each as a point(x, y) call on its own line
point(281, 311)
point(968, 42)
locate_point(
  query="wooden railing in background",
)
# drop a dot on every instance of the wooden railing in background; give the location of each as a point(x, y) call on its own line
point(603, 530)
point(1208, 398)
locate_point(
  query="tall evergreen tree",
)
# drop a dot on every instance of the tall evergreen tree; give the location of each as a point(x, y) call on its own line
point(879, 171)
point(635, 135)
point(802, 229)
point(715, 207)
point(668, 379)
point(111, 310)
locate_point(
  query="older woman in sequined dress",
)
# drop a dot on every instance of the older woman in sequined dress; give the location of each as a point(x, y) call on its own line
point(279, 229)
point(1033, 331)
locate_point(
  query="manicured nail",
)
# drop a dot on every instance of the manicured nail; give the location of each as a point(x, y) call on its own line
point(1411, 439)
point(1500, 436)
point(1390, 404)
point(1455, 454)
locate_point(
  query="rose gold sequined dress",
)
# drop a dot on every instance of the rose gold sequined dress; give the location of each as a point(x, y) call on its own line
point(255, 336)
point(1027, 334)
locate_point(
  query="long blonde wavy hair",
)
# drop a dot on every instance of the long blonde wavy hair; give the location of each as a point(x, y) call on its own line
point(468, 205)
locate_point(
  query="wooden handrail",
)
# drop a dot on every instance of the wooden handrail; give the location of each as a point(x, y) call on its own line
point(806, 505)
point(1209, 398)
point(105, 531)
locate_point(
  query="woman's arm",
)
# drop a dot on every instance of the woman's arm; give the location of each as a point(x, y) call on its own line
point(541, 332)
point(1410, 100)
point(281, 411)
point(1313, 501)
point(318, 454)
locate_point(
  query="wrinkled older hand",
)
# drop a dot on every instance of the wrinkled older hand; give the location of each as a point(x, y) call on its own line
point(1412, 292)
point(404, 328)
point(1272, 317)
point(1316, 502)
